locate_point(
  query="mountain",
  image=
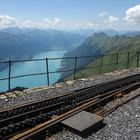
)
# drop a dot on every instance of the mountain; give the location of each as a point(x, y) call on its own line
point(109, 32)
point(96, 45)
point(13, 30)
point(132, 34)
point(21, 43)
point(74, 39)
point(15, 47)
point(90, 32)
point(119, 44)
point(84, 32)
point(55, 38)
point(92, 45)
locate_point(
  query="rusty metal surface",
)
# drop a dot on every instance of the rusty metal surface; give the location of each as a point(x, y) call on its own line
point(82, 121)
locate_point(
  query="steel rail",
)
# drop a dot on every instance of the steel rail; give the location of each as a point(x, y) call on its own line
point(97, 89)
point(43, 126)
point(65, 94)
point(79, 97)
point(105, 112)
point(35, 102)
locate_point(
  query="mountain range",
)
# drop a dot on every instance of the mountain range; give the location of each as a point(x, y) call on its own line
point(23, 43)
point(109, 32)
point(16, 43)
point(97, 45)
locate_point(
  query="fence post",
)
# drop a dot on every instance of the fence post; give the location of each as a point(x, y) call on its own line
point(117, 60)
point(128, 60)
point(47, 69)
point(101, 64)
point(9, 76)
point(138, 59)
point(75, 68)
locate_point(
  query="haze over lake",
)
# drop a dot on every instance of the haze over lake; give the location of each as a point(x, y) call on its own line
point(33, 67)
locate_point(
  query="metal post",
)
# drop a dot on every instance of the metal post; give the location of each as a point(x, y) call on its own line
point(117, 60)
point(9, 76)
point(74, 75)
point(47, 69)
point(101, 64)
point(128, 60)
point(138, 59)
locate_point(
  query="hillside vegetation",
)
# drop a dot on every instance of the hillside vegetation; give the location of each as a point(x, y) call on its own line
point(106, 45)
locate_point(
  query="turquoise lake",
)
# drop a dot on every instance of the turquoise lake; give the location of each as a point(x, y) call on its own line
point(30, 67)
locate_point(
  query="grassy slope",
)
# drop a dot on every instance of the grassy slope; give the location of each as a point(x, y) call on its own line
point(132, 45)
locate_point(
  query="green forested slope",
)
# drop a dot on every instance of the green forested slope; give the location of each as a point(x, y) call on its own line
point(120, 45)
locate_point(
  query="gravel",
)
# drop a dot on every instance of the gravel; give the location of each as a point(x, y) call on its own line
point(122, 124)
point(28, 95)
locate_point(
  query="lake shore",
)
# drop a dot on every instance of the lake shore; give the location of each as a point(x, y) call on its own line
point(33, 67)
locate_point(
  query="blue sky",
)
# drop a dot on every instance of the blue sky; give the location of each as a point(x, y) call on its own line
point(71, 14)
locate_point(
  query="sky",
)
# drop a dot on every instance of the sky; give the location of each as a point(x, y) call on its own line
point(71, 14)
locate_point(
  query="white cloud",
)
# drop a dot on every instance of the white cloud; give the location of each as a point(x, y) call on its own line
point(102, 14)
point(7, 21)
point(88, 25)
point(45, 23)
point(55, 22)
point(133, 15)
point(92, 25)
point(111, 21)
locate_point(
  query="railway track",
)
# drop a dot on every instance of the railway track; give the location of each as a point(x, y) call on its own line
point(26, 121)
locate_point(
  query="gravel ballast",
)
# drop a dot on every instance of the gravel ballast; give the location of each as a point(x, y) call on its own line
point(122, 124)
point(28, 95)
